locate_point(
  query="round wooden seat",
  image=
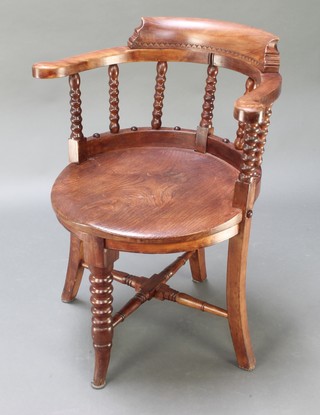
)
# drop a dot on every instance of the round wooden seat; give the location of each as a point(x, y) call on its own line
point(144, 195)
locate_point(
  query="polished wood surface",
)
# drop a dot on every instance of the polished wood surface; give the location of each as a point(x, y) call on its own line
point(157, 200)
point(246, 43)
point(166, 189)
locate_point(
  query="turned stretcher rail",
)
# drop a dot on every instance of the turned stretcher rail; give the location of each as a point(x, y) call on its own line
point(156, 287)
point(164, 292)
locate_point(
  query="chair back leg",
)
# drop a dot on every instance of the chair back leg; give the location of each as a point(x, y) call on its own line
point(74, 270)
point(198, 266)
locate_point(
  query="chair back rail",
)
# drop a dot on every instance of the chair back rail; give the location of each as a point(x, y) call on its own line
point(247, 50)
point(247, 44)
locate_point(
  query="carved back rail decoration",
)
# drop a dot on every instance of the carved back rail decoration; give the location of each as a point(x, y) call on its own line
point(252, 46)
point(159, 95)
point(209, 96)
point(75, 108)
point(113, 72)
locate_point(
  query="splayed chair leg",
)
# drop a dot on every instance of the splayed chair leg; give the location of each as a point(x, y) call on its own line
point(74, 270)
point(236, 297)
point(198, 266)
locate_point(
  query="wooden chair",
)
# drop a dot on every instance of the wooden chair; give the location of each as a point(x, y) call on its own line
point(166, 189)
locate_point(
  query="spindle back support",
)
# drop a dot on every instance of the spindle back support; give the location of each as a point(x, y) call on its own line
point(162, 40)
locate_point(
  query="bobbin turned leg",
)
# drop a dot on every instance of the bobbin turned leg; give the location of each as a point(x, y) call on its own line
point(102, 329)
point(198, 266)
point(236, 281)
point(74, 270)
point(100, 263)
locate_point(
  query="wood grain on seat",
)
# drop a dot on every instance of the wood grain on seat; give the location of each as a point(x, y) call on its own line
point(165, 194)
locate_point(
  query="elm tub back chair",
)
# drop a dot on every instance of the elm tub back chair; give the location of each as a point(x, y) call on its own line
point(166, 189)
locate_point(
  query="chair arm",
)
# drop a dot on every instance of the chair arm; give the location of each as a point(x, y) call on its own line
point(79, 63)
point(250, 108)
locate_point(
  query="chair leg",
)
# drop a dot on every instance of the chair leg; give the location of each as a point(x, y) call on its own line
point(74, 270)
point(100, 263)
point(198, 266)
point(236, 297)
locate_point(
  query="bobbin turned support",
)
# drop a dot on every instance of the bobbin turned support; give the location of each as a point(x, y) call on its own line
point(100, 263)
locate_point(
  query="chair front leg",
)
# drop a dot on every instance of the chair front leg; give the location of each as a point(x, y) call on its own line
point(100, 263)
point(244, 197)
point(74, 270)
point(236, 296)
